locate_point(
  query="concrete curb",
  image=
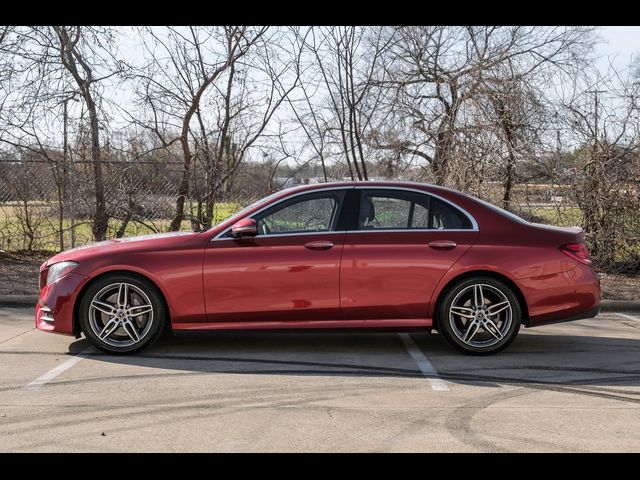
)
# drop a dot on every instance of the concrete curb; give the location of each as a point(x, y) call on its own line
point(606, 305)
point(620, 306)
point(18, 300)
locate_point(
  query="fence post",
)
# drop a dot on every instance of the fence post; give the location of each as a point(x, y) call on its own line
point(72, 204)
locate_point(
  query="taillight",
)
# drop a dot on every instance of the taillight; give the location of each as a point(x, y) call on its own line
point(577, 251)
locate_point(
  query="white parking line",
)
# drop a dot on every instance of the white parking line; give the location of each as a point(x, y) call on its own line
point(54, 372)
point(628, 317)
point(423, 363)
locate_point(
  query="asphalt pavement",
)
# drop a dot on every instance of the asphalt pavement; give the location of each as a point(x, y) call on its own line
point(569, 387)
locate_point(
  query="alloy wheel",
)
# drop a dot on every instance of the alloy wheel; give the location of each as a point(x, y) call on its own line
point(480, 315)
point(121, 314)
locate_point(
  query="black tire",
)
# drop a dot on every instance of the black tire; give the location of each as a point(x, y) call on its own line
point(446, 324)
point(116, 343)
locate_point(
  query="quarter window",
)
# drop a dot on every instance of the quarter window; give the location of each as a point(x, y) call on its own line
point(443, 216)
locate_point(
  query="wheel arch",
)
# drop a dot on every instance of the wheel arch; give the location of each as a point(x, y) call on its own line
point(485, 273)
point(76, 322)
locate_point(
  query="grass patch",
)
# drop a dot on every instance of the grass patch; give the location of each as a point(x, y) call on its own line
point(46, 227)
point(561, 216)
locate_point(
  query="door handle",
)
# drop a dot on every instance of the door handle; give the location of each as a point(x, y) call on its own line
point(442, 244)
point(319, 245)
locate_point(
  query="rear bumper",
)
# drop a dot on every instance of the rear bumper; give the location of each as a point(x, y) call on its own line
point(588, 314)
point(575, 298)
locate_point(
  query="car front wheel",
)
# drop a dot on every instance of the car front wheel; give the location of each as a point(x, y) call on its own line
point(122, 313)
point(480, 315)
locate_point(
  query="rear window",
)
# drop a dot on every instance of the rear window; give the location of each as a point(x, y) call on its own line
point(502, 211)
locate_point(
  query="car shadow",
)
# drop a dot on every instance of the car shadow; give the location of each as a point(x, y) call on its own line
point(534, 360)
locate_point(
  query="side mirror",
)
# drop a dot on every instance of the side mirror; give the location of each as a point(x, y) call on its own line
point(246, 227)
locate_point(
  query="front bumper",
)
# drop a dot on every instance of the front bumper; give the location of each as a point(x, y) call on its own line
point(55, 307)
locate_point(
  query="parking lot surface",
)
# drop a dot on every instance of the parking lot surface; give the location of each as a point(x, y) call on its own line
point(570, 387)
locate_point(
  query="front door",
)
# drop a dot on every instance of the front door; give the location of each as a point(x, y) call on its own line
point(289, 271)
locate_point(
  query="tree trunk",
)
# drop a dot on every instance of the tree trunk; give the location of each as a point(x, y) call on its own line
point(183, 188)
point(100, 219)
point(444, 141)
point(508, 181)
point(511, 163)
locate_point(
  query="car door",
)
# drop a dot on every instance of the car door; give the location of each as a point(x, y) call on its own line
point(288, 271)
point(403, 244)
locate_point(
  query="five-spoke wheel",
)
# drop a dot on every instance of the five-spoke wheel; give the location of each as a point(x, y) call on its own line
point(480, 315)
point(122, 313)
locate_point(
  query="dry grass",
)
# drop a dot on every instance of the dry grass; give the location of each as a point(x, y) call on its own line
point(19, 272)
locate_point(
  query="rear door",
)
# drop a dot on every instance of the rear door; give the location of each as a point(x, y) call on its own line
point(403, 244)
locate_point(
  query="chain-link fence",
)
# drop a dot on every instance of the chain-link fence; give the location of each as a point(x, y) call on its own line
point(610, 217)
point(50, 206)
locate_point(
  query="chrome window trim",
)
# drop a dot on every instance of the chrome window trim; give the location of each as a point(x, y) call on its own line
point(409, 230)
point(474, 224)
point(324, 232)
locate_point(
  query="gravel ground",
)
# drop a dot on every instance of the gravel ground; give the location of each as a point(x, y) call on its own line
point(19, 276)
point(620, 287)
point(19, 272)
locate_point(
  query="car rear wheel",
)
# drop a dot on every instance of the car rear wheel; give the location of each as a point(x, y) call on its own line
point(122, 313)
point(480, 315)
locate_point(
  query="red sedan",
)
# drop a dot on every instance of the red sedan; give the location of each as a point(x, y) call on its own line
point(358, 254)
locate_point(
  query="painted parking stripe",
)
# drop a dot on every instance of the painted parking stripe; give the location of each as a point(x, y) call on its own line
point(628, 317)
point(54, 372)
point(423, 363)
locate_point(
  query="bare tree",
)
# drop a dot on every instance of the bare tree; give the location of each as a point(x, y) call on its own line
point(54, 63)
point(436, 70)
point(184, 64)
point(606, 180)
point(346, 60)
point(513, 112)
point(231, 81)
point(78, 55)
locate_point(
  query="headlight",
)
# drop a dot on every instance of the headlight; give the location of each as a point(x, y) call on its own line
point(59, 270)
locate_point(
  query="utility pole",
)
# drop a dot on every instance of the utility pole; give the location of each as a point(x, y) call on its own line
point(65, 147)
point(558, 150)
point(68, 172)
point(597, 109)
point(593, 172)
point(633, 102)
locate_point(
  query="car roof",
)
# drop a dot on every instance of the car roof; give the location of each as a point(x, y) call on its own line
point(356, 183)
point(427, 187)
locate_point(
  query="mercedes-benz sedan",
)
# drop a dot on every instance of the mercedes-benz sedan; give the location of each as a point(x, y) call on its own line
point(335, 255)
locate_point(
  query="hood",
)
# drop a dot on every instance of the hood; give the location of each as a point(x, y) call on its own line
point(141, 242)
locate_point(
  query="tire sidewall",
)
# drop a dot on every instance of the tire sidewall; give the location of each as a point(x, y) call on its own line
point(443, 316)
point(159, 312)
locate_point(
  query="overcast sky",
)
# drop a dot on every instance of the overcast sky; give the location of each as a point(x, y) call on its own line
point(620, 44)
